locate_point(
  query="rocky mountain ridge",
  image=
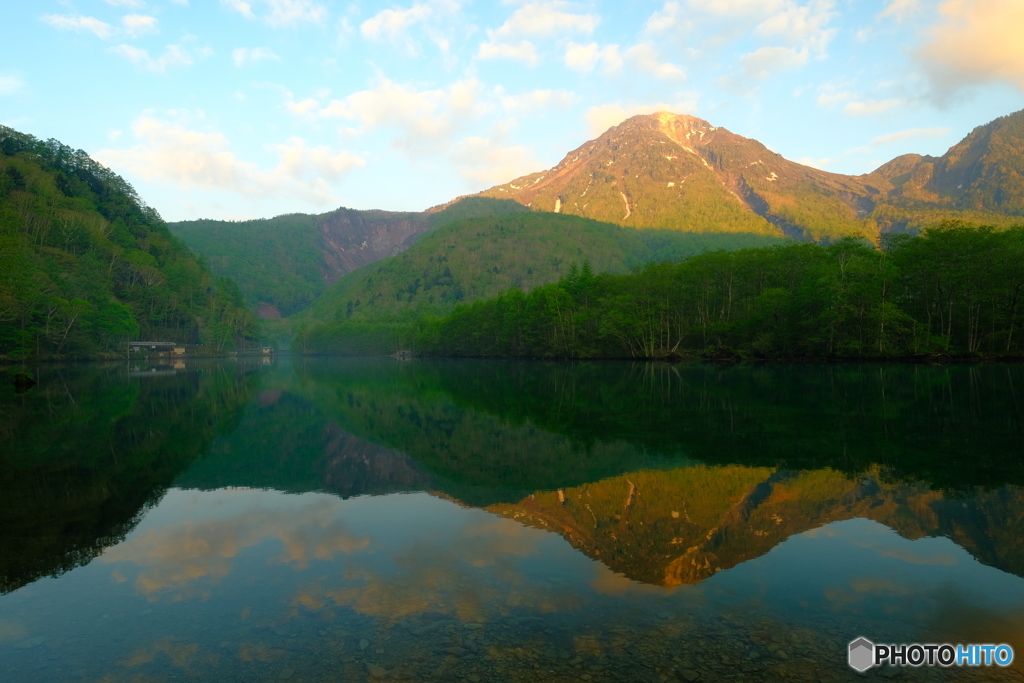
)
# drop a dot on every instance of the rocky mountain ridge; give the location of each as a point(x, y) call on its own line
point(678, 171)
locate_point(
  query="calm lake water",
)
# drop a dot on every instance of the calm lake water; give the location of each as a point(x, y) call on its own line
point(353, 520)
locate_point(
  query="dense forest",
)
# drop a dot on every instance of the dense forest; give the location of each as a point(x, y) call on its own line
point(86, 265)
point(956, 289)
point(275, 260)
point(369, 310)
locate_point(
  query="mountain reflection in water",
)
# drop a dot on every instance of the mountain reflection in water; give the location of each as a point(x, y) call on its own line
point(354, 519)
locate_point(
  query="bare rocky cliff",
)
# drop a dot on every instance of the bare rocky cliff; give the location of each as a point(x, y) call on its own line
point(350, 239)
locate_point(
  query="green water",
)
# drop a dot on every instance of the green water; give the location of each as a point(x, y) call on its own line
point(353, 520)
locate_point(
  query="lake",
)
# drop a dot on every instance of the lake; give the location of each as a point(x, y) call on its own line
point(371, 519)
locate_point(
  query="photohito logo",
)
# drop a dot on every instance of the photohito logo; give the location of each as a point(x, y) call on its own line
point(863, 654)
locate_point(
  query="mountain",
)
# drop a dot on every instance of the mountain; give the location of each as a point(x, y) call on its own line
point(86, 265)
point(282, 264)
point(983, 172)
point(480, 257)
point(680, 172)
point(683, 526)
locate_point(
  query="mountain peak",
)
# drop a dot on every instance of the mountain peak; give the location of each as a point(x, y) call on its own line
point(677, 171)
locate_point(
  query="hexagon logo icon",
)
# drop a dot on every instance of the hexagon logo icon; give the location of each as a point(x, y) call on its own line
point(862, 653)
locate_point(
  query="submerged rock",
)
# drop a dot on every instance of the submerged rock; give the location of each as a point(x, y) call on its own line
point(23, 382)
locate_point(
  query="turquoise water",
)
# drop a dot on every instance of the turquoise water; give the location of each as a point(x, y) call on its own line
point(326, 520)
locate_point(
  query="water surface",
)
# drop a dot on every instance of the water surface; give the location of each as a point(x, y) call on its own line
point(325, 520)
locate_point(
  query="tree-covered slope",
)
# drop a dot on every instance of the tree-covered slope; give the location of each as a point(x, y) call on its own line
point(285, 262)
point(85, 265)
point(480, 257)
point(274, 260)
point(955, 289)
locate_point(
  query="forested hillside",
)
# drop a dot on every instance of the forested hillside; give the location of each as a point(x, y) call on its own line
point(85, 265)
point(286, 262)
point(274, 260)
point(480, 257)
point(956, 289)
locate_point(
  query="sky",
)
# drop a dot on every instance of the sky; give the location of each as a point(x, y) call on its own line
point(238, 109)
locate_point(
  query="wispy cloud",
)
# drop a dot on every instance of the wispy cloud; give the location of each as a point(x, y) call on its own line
point(871, 107)
point(892, 138)
point(170, 153)
point(174, 55)
point(138, 24)
point(280, 13)
point(80, 24)
point(392, 23)
point(251, 55)
point(534, 20)
point(9, 85)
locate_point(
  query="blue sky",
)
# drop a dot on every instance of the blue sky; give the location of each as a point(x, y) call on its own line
point(252, 108)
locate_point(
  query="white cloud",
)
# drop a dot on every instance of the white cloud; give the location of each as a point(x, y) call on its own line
point(536, 99)
point(801, 25)
point(9, 85)
point(523, 51)
point(542, 19)
point(288, 12)
point(171, 154)
point(871, 107)
point(426, 119)
point(768, 61)
point(78, 24)
point(900, 9)
point(975, 41)
point(672, 16)
point(306, 109)
point(483, 161)
point(907, 134)
point(830, 96)
point(138, 24)
point(174, 55)
point(644, 57)
point(604, 116)
point(240, 6)
point(279, 13)
point(393, 23)
point(125, 3)
point(246, 55)
point(584, 58)
point(534, 20)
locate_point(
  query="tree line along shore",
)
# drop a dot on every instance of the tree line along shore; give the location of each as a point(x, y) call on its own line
point(955, 290)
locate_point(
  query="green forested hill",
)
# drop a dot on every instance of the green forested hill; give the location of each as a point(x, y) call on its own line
point(274, 260)
point(953, 290)
point(85, 265)
point(480, 257)
point(287, 261)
